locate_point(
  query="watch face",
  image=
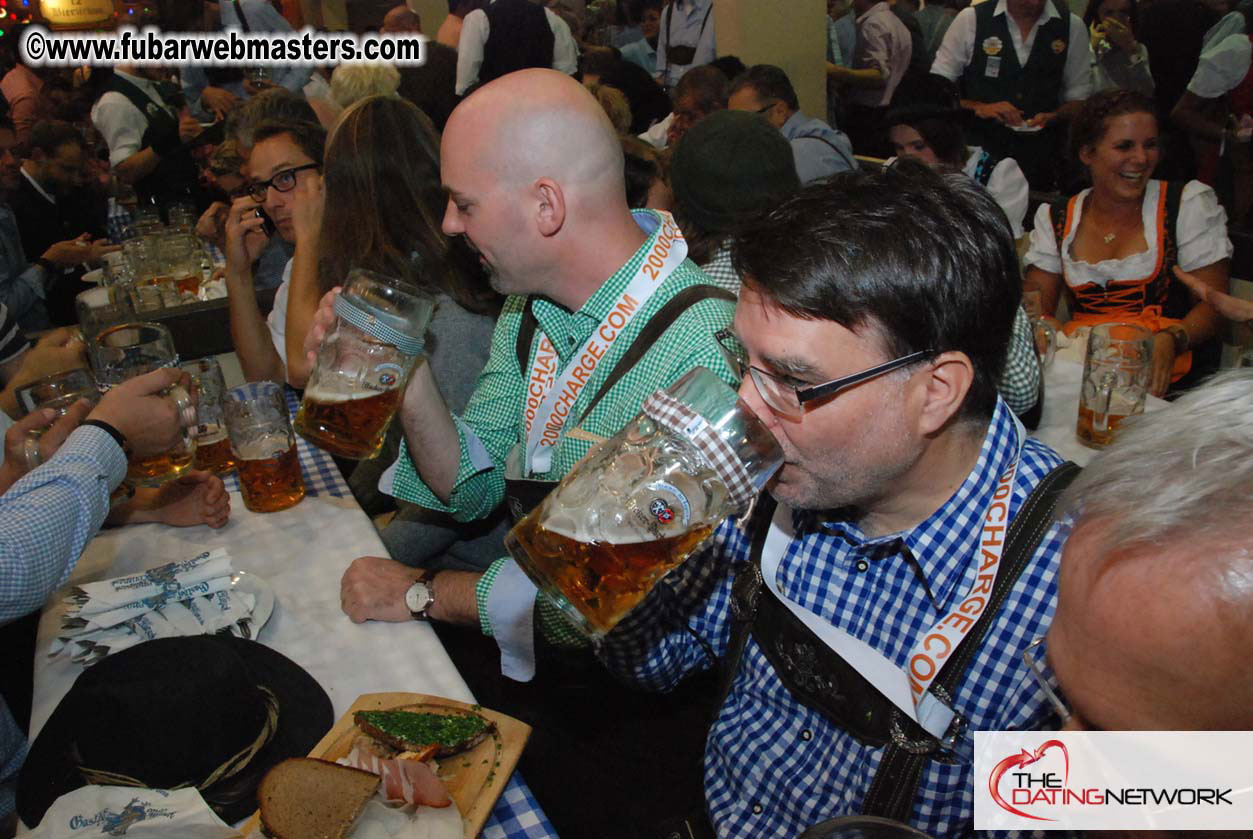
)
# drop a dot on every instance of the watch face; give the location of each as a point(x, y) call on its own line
point(418, 597)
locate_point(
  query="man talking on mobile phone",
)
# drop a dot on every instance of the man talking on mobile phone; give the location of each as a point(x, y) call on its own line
point(283, 198)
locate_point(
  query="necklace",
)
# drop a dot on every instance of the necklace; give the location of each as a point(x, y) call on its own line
point(1109, 237)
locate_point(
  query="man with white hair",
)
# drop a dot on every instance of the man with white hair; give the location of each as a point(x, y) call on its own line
point(1154, 623)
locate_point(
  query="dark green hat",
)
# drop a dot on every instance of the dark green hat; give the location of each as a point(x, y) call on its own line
point(729, 165)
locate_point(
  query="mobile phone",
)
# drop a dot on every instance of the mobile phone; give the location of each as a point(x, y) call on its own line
point(267, 225)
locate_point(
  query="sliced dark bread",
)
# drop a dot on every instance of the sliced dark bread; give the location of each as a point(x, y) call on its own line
point(308, 798)
point(414, 731)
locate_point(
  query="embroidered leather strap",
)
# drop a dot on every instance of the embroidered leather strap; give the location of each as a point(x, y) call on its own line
point(821, 680)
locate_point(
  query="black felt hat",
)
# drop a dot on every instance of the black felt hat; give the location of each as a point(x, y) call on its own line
point(172, 712)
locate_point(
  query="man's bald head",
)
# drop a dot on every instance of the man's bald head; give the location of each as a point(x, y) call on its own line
point(534, 174)
point(540, 124)
point(401, 19)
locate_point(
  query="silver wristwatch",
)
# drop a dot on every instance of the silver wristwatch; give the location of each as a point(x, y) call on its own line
point(420, 598)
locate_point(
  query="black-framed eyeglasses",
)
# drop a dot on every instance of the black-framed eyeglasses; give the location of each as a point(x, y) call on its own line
point(789, 401)
point(284, 181)
point(1029, 656)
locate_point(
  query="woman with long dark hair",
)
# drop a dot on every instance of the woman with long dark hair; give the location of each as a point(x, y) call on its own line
point(382, 209)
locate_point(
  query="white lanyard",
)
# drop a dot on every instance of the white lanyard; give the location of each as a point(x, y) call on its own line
point(907, 689)
point(549, 397)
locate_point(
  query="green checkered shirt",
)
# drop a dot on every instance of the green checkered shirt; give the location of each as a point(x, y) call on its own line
point(721, 271)
point(493, 418)
point(1020, 382)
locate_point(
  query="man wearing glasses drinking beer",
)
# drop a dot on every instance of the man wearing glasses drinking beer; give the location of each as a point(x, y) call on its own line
point(872, 613)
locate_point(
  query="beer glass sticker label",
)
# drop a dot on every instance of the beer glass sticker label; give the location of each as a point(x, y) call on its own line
point(387, 374)
point(663, 509)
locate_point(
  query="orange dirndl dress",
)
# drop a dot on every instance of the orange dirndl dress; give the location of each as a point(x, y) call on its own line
point(1155, 301)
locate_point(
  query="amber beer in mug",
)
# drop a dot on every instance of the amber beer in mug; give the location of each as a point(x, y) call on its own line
point(643, 501)
point(1115, 382)
point(350, 426)
point(602, 580)
point(264, 447)
point(213, 445)
point(269, 480)
point(127, 350)
point(214, 455)
point(363, 365)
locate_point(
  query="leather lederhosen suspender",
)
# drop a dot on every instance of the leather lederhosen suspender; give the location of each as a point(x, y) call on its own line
point(820, 679)
point(525, 494)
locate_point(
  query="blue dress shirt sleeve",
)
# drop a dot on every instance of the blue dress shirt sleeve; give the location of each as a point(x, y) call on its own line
point(47, 517)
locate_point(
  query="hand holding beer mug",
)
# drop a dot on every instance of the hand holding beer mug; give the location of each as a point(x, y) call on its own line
point(364, 364)
point(123, 352)
point(264, 447)
point(1115, 380)
point(644, 500)
point(59, 392)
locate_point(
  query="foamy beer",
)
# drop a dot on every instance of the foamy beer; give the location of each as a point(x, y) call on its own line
point(131, 349)
point(1115, 380)
point(364, 364)
point(213, 445)
point(263, 446)
point(643, 501)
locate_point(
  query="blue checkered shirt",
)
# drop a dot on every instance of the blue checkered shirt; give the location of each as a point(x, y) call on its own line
point(773, 766)
point(45, 520)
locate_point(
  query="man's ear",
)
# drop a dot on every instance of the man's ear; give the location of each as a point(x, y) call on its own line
point(551, 207)
point(941, 390)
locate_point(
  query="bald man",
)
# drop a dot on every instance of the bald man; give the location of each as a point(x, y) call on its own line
point(1154, 623)
point(534, 175)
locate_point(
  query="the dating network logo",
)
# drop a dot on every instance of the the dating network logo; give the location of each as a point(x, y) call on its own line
point(1022, 783)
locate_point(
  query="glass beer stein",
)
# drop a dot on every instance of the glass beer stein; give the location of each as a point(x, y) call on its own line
point(131, 349)
point(364, 364)
point(58, 391)
point(1115, 380)
point(213, 447)
point(644, 500)
point(264, 447)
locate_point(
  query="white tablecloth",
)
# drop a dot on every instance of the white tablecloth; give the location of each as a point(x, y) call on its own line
point(301, 552)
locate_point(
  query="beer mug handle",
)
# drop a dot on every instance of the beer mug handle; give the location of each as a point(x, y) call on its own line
point(1104, 395)
point(183, 404)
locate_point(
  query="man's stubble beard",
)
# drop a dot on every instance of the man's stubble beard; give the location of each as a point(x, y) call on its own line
point(855, 477)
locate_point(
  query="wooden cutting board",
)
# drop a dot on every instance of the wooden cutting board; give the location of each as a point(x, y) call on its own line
point(475, 779)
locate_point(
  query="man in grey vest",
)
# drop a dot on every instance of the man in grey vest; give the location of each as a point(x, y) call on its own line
point(1019, 64)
